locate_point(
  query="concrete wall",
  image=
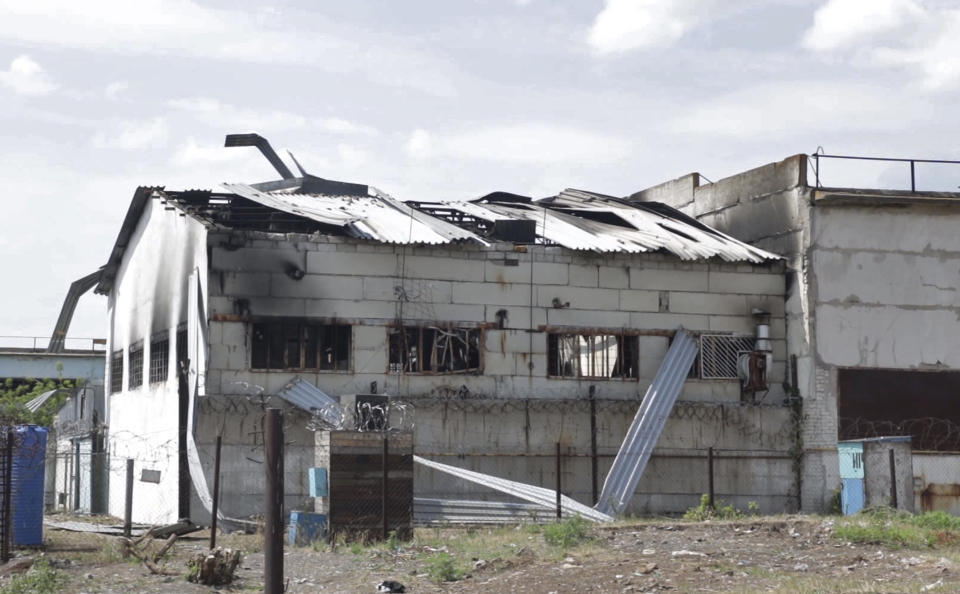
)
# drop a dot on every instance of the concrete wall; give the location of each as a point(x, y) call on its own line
point(358, 283)
point(149, 296)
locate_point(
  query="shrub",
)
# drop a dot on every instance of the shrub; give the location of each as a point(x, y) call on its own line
point(717, 512)
point(441, 568)
point(567, 533)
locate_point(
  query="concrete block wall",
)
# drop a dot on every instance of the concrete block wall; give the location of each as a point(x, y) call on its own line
point(371, 286)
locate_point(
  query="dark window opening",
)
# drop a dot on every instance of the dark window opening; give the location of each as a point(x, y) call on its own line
point(159, 358)
point(431, 349)
point(594, 356)
point(116, 372)
point(300, 345)
point(136, 366)
point(886, 402)
point(181, 350)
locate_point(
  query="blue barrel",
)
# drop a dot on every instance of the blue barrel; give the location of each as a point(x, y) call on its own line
point(29, 455)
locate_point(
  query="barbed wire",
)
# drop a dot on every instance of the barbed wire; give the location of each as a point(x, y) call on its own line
point(928, 433)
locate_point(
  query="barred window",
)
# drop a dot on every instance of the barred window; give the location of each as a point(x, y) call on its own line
point(720, 354)
point(136, 366)
point(431, 349)
point(594, 356)
point(116, 372)
point(159, 359)
point(300, 345)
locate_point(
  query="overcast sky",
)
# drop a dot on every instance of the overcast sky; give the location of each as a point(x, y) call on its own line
point(433, 100)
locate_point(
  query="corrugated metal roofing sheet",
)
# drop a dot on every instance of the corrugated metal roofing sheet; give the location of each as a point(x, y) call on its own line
point(378, 216)
point(315, 401)
point(574, 219)
point(644, 432)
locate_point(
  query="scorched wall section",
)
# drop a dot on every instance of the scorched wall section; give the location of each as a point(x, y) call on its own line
point(506, 417)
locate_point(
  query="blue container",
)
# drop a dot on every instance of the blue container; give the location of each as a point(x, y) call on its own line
point(29, 455)
point(306, 528)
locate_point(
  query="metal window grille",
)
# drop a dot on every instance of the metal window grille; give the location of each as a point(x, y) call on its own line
point(430, 349)
point(159, 360)
point(116, 372)
point(300, 345)
point(719, 354)
point(596, 356)
point(136, 367)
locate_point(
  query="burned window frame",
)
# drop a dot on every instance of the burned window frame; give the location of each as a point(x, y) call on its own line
point(319, 336)
point(159, 363)
point(135, 365)
point(626, 342)
point(403, 357)
point(116, 371)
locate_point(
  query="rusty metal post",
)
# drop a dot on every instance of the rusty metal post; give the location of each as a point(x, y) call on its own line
point(7, 497)
point(383, 488)
point(216, 494)
point(893, 480)
point(559, 504)
point(273, 503)
point(913, 182)
point(128, 502)
point(593, 445)
point(710, 477)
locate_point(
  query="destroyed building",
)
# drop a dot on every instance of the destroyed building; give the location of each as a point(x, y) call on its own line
point(499, 326)
point(872, 317)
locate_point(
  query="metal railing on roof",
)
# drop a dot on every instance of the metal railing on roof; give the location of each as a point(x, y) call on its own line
point(40, 343)
point(817, 155)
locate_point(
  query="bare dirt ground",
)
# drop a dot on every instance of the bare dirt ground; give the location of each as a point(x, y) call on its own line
point(783, 554)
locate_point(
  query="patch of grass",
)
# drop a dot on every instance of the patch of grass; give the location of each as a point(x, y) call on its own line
point(898, 529)
point(718, 512)
point(442, 568)
point(568, 533)
point(42, 578)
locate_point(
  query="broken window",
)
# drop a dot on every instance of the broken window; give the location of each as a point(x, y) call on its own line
point(136, 366)
point(159, 357)
point(595, 356)
point(432, 349)
point(116, 372)
point(300, 345)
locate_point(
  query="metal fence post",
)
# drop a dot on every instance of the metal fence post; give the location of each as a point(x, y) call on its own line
point(710, 477)
point(216, 495)
point(128, 501)
point(383, 488)
point(273, 504)
point(893, 480)
point(593, 445)
point(559, 506)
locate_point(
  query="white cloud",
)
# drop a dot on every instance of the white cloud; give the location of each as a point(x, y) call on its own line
point(625, 25)
point(115, 90)
point(231, 118)
point(842, 23)
point(185, 28)
point(132, 135)
point(26, 77)
point(922, 39)
point(524, 143)
point(420, 144)
point(192, 153)
point(797, 109)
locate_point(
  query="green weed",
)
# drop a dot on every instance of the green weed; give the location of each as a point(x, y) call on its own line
point(441, 568)
point(42, 578)
point(568, 533)
point(882, 525)
point(718, 512)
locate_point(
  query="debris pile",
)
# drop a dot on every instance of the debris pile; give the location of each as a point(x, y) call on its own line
point(213, 568)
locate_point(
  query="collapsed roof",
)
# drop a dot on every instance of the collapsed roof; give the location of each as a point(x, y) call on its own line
point(574, 219)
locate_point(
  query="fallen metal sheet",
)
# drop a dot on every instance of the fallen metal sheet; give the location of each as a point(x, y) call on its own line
point(642, 436)
point(95, 528)
point(308, 397)
point(377, 216)
point(459, 511)
point(35, 404)
point(543, 497)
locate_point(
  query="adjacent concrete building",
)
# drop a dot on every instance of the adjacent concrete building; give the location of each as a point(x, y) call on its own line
point(871, 312)
point(499, 327)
